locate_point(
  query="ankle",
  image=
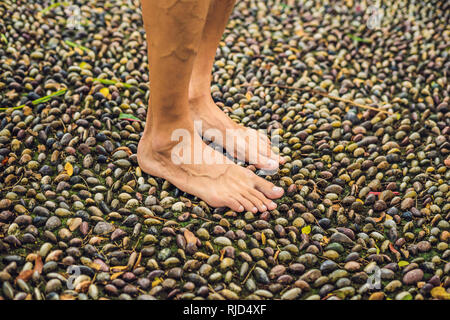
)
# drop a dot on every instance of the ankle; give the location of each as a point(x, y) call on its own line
point(199, 93)
point(164, 136)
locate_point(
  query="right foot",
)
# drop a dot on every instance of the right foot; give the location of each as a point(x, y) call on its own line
point(220, 183)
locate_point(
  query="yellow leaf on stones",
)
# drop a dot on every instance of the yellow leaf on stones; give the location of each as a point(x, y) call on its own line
point(248, 95)
point(95, 266)
point(403, 263)
point(69, 169)
point(325, 240)
point(306, 230)
point(84, 65)
point(156, 282)
point(190, 237)
point(440, 293)
point(263, 238)
point(105, 92)
point(116, 275)
point(378, 249)
point(138, 261)
point(118, 268)
point(275, 256)
point(388, 217)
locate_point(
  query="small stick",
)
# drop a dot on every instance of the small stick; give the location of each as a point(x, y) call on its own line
point(325, 94)
point(248, 274)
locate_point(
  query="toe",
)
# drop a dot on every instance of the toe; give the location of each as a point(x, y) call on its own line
point(268, 188)
point(256, 202)
point(235, 205)
point(272, 205)
point(247, 204)
point(268, 204)
point(266, 163)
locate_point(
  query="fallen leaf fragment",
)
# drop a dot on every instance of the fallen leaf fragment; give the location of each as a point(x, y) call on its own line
point(69, 168)
point(190, 237)
point(440, 293)
point(306, 230)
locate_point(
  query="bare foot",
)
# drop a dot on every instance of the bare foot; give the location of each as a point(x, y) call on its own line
point(243, 143)
point(220, 182)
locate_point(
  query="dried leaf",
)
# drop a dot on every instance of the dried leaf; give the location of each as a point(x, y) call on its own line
point(49, 97)
point(275, 256)
point(118, 268)
point(83, 286)
point(190, 237)
point(358, 39)
point(3, 38)
point(25, 275)
point(85, 65)
point(69, 169)
point(38, 265)
point(95, 266)
point(306, 230)
point(156, 282)
point(209, 246)
point(129, 117)
point(405, 253)
point(394, 251)
point(263, 238)
point(325, 241)
point(104, 92)
point(116, 275)
point(380, 218)
point(378, 249)
point(76, 45)
point(138, 261)
point(440, 293)
point(403, 263)
point(126, 149)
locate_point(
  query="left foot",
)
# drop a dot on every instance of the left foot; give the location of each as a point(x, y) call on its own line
point(243, 143)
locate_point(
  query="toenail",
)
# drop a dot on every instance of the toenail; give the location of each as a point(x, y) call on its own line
point(255, 209)
point(264, 208)
point(273, 204)
point(277, 189)
point(241, 208)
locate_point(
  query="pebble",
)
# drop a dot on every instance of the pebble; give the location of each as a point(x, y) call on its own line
point(413, 276)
